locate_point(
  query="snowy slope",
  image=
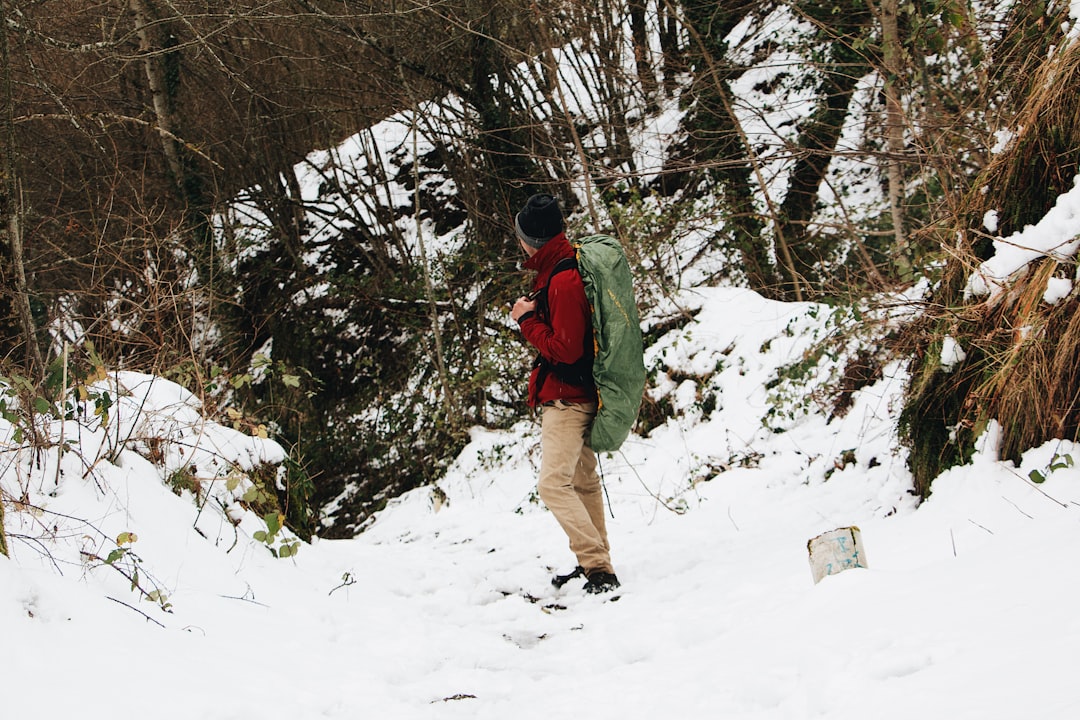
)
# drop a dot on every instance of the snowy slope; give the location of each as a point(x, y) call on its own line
point(443, 609)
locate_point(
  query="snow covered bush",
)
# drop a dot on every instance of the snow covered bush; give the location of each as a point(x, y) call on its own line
point(68, 450)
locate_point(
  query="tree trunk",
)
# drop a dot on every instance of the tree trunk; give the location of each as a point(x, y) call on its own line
point(719, 142)
point(160, 64)
point(816, 145)
point(892, 52)
point(449, 403)
point(673, 61)
point(840, 73)
point(156, 83)
point(11, 207)
point(639, 37)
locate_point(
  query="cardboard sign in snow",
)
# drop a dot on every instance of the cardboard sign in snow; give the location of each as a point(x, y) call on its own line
point(836, 551)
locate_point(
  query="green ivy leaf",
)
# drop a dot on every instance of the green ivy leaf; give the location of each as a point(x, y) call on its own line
point(292, 381)
point(273, 522)
point(42, 405)
point(259, 535)
point(1037, 477)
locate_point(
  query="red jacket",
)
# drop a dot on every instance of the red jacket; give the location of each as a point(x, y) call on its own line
point(563, 338)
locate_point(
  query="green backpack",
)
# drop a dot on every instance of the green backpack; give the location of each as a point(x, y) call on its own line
point(618, 362)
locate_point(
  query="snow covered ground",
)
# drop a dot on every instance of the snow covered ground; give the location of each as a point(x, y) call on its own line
point(968, 608)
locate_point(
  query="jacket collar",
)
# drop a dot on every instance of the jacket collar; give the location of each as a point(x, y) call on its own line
point(548, 256)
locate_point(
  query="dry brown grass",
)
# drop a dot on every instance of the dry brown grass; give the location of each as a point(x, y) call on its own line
point(1023, 364)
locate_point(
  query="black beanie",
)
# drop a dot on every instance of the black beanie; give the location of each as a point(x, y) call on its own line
point(539, 221)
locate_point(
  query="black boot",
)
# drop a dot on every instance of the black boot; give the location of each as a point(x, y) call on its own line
point(560, 580)
point(601, 582)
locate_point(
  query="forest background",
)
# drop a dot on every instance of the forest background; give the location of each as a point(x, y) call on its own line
point(196, 190)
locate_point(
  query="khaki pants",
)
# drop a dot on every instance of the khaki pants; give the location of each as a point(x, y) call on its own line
point(569, 485)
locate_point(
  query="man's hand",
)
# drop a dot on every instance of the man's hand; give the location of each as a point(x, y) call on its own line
point(522, 307)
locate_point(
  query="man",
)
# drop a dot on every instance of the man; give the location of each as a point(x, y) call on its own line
point(555, 319)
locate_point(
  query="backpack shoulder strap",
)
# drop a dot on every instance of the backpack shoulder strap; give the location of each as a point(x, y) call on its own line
point(568, 263)
point(580, 372)
point(541, 295)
